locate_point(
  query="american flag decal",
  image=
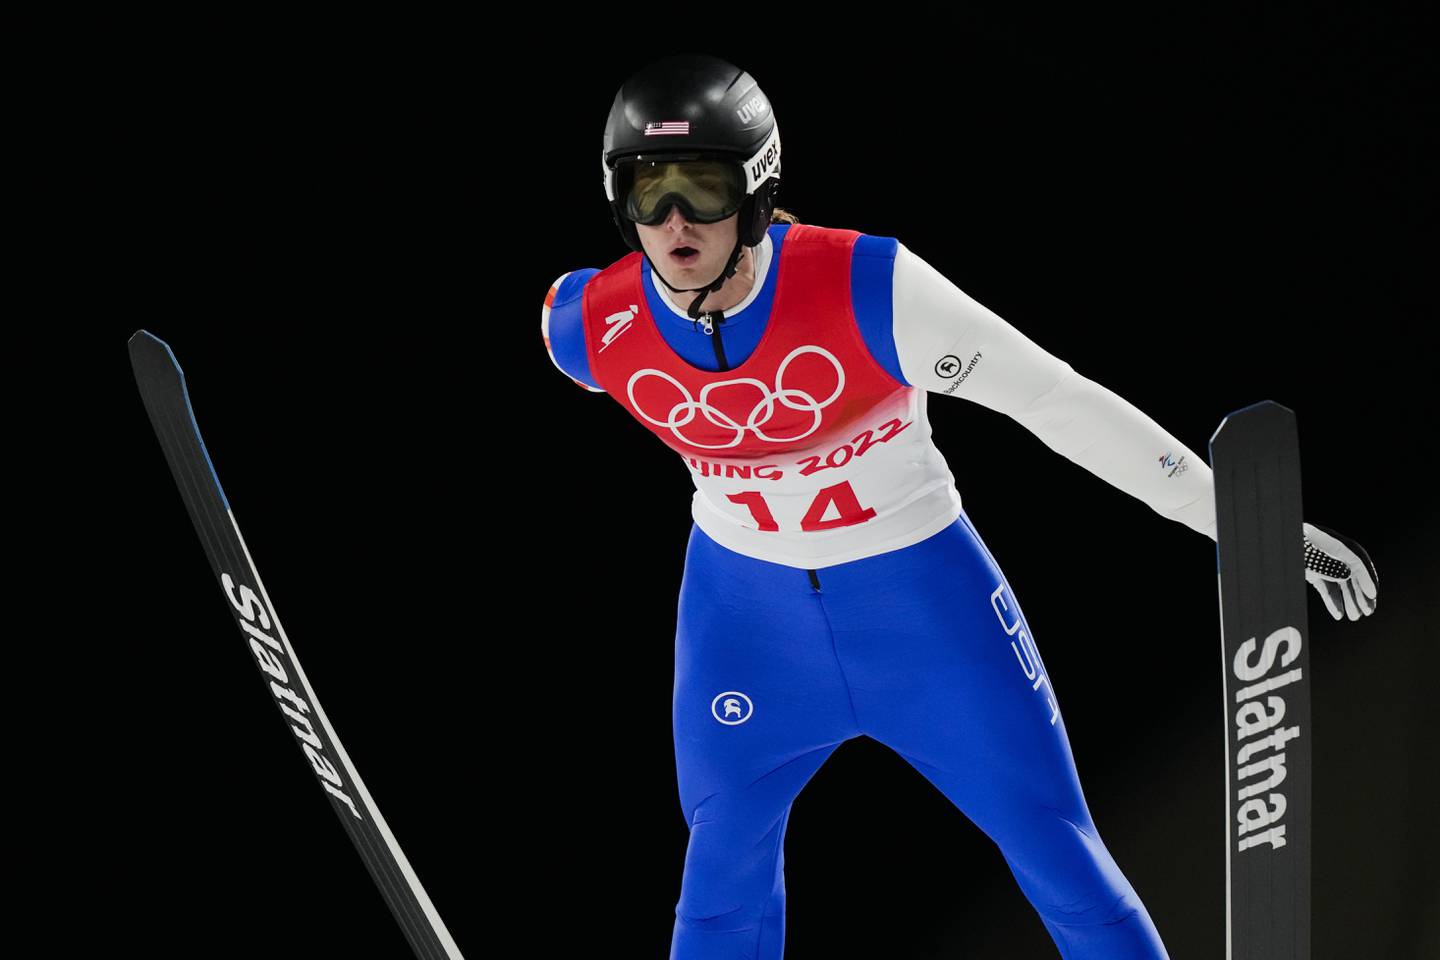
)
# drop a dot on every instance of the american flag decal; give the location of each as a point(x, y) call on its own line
point(667, 128)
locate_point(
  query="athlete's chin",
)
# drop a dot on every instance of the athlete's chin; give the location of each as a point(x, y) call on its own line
point(697, 270)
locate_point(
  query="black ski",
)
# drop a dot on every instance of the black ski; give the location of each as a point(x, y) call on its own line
point(1255, 454)
point(162, 386)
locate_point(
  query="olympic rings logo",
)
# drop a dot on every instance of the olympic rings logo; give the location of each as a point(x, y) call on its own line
point(684, 410)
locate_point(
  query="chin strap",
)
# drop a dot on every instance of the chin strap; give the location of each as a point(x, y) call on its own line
point(694, 311)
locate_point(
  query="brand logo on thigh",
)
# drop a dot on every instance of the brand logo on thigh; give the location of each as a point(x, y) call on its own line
point(731, 707)
point(1023, 646)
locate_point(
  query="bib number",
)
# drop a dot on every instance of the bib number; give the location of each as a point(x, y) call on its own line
point(841, 495)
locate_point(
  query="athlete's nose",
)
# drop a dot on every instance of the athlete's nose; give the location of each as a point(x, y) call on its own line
point(675, 219)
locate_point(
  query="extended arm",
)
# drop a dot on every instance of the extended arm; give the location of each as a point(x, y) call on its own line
point(948, 343)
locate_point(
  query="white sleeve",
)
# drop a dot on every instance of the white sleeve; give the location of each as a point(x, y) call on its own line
point(948, 343)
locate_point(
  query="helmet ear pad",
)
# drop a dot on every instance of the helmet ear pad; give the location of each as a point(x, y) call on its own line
point(627, 228)
point(756, 211)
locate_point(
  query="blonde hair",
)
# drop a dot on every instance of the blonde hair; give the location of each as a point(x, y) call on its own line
point(781, 215)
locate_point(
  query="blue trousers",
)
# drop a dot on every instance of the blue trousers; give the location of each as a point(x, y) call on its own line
point(923, 649)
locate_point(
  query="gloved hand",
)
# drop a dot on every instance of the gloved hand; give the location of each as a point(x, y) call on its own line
point(1341, 572)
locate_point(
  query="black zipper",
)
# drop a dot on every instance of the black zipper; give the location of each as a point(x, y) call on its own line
point(709, 320)
point(710, 327)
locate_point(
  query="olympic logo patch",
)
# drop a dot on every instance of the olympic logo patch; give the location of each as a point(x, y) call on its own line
point(684, 409)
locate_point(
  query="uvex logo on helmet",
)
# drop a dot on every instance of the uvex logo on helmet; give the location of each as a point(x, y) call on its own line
point(752, 110)
point(764, 164)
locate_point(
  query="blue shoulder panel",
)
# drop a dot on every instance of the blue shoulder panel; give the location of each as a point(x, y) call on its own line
point(872, 272)
point(567, 335)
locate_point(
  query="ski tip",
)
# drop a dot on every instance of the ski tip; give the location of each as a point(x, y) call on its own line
point(1262, 412)
point(161, 380)
point(1261, 405)
point(149, 350)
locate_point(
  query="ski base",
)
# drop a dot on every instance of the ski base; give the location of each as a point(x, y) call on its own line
point(1255, 455)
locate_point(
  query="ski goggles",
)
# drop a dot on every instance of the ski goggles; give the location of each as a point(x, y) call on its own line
point(706, 191)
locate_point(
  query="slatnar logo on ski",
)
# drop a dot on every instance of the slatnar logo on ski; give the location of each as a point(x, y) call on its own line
point(1258, 731)
point(270, 655)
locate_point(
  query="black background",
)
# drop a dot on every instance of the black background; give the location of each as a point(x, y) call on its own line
point(345, 232)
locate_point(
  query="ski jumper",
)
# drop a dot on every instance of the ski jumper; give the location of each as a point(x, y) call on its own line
point(833, 586)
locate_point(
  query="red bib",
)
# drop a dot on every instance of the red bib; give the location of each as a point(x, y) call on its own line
point(807, 437)
point(805, 382)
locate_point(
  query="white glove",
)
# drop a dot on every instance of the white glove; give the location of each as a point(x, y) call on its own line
point(1341, 572)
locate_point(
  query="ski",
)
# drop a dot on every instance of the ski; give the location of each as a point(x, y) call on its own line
point(162, 386)
point(1255, 455)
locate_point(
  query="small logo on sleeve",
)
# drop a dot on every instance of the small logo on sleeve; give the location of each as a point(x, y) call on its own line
point(948, 367)
point(1173, 467)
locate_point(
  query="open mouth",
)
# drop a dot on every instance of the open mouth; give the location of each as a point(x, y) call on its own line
point(684, 255)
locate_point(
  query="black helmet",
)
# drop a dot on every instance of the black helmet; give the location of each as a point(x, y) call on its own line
point(699, 108)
